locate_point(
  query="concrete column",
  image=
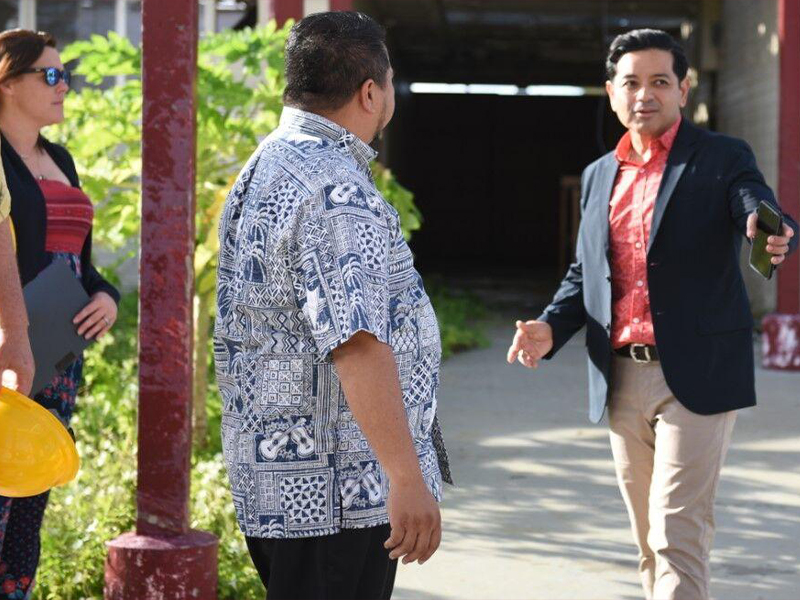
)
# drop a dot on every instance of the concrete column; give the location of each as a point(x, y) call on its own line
point(164, 559)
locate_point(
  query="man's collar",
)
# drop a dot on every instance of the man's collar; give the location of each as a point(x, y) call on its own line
point(663, 142)
point(667, 139)
point(308, 122)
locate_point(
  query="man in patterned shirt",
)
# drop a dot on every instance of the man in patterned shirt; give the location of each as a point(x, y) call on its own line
point(326, 345)
point(16, 359)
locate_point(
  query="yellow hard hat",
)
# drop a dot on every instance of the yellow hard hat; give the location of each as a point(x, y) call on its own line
point(36, 451)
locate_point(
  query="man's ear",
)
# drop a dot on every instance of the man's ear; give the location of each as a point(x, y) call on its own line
point(366, 95)
point(685, 85)
point(610, 92)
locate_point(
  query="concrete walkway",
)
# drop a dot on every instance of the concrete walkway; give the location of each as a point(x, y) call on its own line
point(537, 514)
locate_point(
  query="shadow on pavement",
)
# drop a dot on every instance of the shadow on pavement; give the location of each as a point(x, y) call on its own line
point(536, 512)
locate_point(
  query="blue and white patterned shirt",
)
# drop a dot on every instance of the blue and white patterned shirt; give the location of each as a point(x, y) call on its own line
point(310, 254)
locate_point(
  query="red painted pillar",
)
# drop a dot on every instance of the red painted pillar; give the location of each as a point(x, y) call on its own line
point(164, 559)
point(345, 5)
point(781, 337)
point(283, 10)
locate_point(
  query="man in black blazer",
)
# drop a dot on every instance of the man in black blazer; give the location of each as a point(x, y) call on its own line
point(657, 284)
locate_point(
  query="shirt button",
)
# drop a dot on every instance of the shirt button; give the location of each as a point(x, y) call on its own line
point(639, 283)
point(638, 245)
point(636, 320)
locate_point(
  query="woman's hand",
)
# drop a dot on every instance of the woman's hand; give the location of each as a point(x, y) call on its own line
point(97, 317)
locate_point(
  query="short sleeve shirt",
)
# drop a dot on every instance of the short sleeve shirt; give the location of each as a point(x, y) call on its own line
point(5, 196)
point(310, 254)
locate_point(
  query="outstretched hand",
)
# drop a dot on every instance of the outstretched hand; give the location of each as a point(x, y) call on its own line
point(532, 341)
point(777, 245)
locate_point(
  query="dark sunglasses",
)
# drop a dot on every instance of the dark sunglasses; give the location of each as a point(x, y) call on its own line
point(52, 75)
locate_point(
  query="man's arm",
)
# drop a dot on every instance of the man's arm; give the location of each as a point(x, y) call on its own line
point(356, 335)
point(15, 348)
point(563, 318)
point(368, 374)
point(746, 191)
point(566, 313)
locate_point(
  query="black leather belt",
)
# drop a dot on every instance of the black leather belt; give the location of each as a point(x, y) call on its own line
point(640, 353)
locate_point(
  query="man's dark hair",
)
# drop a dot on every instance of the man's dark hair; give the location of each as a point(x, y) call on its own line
point(329, 56)
point(646, 39)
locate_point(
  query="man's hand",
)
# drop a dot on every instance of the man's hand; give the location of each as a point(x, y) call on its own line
point(533, 340)
point(415, 521)
point(16, 362)
point(368, 372)
point(777, 245)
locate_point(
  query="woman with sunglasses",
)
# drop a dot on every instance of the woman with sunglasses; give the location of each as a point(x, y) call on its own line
point(52, 220)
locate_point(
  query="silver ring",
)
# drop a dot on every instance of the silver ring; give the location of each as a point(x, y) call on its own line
point(108, 323)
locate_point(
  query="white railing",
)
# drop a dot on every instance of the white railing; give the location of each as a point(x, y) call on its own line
point(315, 6)
point(27, 14)
point(264, 11)
point(209, 16)
point(121, 27)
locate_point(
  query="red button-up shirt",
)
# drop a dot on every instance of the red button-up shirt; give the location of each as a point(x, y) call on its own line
point(630, 217)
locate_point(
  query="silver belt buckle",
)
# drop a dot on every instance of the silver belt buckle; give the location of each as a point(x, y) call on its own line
point(636, 359)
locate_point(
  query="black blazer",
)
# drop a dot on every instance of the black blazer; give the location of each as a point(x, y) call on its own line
point(701, 313)
point(29, 217)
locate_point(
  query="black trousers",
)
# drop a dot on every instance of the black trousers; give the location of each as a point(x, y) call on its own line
point(350, 565)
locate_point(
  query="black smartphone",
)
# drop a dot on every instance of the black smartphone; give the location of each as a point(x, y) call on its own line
point(770, 222)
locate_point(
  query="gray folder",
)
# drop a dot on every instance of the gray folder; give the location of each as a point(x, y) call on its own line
point(53, 299)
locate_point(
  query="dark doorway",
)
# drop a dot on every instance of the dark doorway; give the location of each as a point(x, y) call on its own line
point(486, 173)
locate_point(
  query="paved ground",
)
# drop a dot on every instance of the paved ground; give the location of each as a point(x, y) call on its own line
point(537, 513)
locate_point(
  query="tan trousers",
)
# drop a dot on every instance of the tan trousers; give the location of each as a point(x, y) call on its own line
point(668, 461)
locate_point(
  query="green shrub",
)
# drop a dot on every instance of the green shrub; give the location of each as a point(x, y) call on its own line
point(460, 314)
